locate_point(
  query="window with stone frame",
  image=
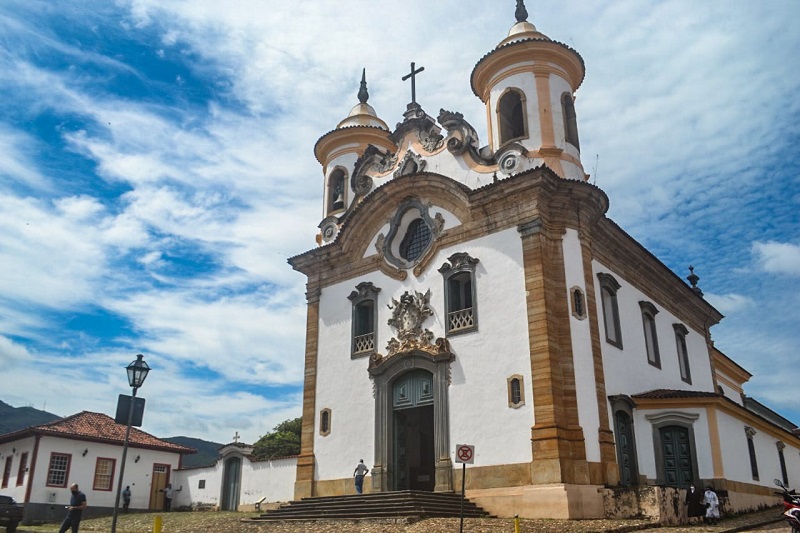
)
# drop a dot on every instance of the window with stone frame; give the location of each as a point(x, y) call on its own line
point(683, 353)
point(782, 461)
point(511, 116)
point(416, 240)
point(751, 450)
point(578, 303)
point(516, 391)
point(609, 287)
point(365, 319)
point(104, 474)
point(325, 422)
point(649, 313)
point(336, 190)
point(23, 467)
point(459, 293)
point(58, 471)
point(570, 120)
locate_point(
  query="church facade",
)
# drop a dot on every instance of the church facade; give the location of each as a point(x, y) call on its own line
point(462, 294)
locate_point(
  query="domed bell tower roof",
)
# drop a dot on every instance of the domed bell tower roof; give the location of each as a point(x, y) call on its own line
point(362, 113)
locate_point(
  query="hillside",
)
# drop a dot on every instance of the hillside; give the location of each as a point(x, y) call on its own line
point(16, 418)
point(207, 452)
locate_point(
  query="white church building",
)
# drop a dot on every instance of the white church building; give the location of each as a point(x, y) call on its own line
point(476, 294)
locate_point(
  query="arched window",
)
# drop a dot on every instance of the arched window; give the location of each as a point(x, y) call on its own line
point(649, 312)
point(416, 240)
point(336, 190)
point(511, 114)
point(608, 294)
point(570, 120)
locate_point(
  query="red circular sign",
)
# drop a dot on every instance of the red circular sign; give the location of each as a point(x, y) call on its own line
point(464, 453)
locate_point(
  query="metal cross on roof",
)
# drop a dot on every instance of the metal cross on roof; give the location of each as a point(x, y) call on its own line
point(413, 75)
point(236, 437)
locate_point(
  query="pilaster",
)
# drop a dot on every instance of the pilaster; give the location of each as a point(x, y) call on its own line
point(304, 481)
point(559, 451)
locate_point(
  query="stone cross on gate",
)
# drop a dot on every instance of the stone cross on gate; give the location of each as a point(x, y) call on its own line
point(236, 437)
point(413, 75)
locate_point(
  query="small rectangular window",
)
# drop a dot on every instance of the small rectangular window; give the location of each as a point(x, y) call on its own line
point(58, 471)
point(104, 474)
point(201, 484)
point(649, 313)
point(608, 299)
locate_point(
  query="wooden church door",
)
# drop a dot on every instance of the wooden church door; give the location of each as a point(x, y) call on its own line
point(414, 462)
point(230, 483)
point(626, 453)
point(677, 454)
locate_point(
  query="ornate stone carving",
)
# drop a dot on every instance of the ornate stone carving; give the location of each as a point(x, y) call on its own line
point(379, 244)
point(373, 160)
point(510, 158)
point(439, 220)
point(411, 164)
point(459, 260)
point(407, 318)
point(365, 289)
point(431, 141)
point(461, 135)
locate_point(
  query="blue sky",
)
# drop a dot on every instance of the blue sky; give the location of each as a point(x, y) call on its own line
point(156, 171)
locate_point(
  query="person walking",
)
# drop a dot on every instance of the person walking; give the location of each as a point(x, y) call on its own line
point(359, 473)
point(77, 503)
point(126, 498)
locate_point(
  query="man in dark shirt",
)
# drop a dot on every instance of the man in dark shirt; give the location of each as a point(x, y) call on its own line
point(77, 503)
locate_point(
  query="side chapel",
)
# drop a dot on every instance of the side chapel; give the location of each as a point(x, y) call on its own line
point(468, 294)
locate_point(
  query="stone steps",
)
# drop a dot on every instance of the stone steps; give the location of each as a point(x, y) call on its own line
point(407, 505)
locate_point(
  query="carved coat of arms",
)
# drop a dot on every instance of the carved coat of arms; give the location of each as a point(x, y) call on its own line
point(408, 315)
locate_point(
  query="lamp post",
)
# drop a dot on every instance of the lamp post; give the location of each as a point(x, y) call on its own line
point(137, 372)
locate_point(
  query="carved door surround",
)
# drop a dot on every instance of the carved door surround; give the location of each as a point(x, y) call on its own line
point(384, 373)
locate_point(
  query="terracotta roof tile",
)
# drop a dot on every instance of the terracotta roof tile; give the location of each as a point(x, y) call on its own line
point(662, 394)
point(87, 425)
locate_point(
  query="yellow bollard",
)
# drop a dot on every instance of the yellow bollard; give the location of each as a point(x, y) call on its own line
point(157, 524)
point(516, 523)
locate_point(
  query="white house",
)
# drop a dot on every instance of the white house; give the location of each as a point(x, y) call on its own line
point(41, 462)
point(236, 481)
point(478, 294)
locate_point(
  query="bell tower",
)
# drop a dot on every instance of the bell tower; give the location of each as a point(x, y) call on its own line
point(337, 152)
point(528, 85)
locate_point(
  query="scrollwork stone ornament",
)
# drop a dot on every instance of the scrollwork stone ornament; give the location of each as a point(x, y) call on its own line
point(373, 160)
point(411, 164)
point(461, 134)
point(407, 318)
point(431, 141)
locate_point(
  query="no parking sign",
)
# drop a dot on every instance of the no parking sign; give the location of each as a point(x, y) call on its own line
point(465, 453)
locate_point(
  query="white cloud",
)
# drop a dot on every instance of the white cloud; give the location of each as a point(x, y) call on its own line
point(778, 257)
point(728, 304)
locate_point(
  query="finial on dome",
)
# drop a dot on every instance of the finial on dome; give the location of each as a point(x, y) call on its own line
point(521, 13)
point(363, 95)
point(693, 279)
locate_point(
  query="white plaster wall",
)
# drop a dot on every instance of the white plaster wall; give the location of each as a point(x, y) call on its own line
point(190, 479)
point(273, 480)
point(588, 414)
point(627, 371)
point(137, 475)
point(730, 393)
point(479, 412)
point(15, 450)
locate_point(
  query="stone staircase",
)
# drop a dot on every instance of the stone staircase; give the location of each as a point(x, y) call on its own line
point(406, 505)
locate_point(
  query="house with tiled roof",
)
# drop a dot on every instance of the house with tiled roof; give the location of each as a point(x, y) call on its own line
point(41, 462)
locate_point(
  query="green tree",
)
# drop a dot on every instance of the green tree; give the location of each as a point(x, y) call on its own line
point(283, 441)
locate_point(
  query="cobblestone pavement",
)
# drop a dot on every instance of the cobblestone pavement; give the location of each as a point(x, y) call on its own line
point(232, 523)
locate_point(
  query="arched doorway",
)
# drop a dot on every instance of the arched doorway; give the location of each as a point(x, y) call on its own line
point(412, 436)
point(413, 458)
point(231, 479)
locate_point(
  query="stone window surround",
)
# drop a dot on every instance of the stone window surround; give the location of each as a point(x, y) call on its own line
point(610, 284)
point(573, 292)
point(649, 311)
point(330, 189)
point(570, 120)
point(398, 228)
point(323, 430)
point(460, 262)
point(673, 418)
point(683, 352)
point(751, 450)
point(365, 291)
point(521, 382)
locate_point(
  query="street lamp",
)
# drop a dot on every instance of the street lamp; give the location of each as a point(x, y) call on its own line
point(137, 373)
